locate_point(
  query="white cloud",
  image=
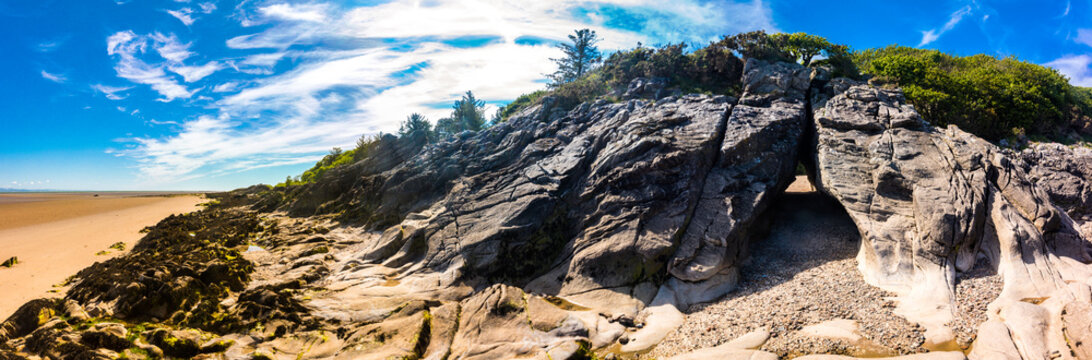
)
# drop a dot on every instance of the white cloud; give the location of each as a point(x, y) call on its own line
point(183, 15)
point(226, 87)
point(125, 46)
point(49, 46)
point(57, 78)
point(194, 73)
point(364, 69)
point(1084, 36)
point(1076, 67)
point(930, 36)
point(301, 12)
point(111, 92)
point(207, 7)
point(170, 48)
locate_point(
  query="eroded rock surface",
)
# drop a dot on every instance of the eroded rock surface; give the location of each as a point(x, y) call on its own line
point(929, 202)
point(1065, 173)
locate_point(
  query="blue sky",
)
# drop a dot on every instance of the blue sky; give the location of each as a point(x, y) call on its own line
point(218, 94)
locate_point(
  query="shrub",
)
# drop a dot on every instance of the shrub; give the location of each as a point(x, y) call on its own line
point(334, 159)
point(991, 97)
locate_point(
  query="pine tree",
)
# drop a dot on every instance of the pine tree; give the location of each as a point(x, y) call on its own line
point(469, 113)
point(580, 57)
point(417, 129)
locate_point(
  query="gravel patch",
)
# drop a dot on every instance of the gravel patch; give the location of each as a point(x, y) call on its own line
point(975, 290)
point(802, 274)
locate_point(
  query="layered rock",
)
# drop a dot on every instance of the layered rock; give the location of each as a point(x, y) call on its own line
point(595, 206)
point(1065, 173)
point(929, 202)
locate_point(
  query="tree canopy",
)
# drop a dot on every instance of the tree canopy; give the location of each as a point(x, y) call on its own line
point(468, 113)
point(417, 129)
point(581, 55)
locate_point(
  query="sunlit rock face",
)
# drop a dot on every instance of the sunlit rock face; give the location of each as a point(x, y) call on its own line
point(929, 202)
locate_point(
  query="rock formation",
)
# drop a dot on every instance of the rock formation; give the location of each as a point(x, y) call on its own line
point(563, 232)
point(929, 202)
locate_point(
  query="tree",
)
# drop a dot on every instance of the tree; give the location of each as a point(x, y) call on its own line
point(580, 57)
point(804, 47)
point(498, 117)
point(448, 126)
point(469, 112)
point(417, 129)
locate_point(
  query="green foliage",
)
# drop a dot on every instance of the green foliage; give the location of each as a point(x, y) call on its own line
point(798, 47)
point(804, 47)
point(334, 159)
point(417, 129)
point(468, 113)
point(522, 102)
point(580, 57)
point(365, 145)
point(990, 97)
point(584, 89)
point(713, 69)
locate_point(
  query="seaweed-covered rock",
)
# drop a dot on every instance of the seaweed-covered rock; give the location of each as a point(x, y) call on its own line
point(179, 272)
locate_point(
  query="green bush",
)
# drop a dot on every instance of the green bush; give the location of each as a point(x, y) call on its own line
point(522, 102)
point(334, 159)
point(991, 97)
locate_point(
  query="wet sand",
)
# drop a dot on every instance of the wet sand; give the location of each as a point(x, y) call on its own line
point(55, 235)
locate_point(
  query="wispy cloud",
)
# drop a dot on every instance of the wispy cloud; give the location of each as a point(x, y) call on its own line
point(1084, 36)
point(363, 69)
point(195, 73)
point(111, 92)
point(1076, 67)
point(932, 35)
point(57, 78)
point(50, 46)
point(128, 48)
point(185, 15)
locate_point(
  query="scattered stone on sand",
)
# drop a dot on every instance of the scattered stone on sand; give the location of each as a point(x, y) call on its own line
point(803, 274)
point(10, 262)
point(975, 290)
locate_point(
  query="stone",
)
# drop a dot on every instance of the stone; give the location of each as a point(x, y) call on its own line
point(1077, 325)
point(725, 352)
point(841, 329)
point(646, 88)
point(993, 342)
point(1065, 173)
point(750, 341)
point(935, 355)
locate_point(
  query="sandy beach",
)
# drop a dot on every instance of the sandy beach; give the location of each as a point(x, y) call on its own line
point(54, 235)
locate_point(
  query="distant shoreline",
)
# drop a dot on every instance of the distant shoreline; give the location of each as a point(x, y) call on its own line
point(81, 192)
point(55, 234)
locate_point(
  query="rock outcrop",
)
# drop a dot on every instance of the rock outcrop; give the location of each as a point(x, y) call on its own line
point(1065, 174)
point(929, 202)
point(568, 231)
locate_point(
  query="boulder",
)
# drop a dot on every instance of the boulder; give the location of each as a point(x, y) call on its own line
point(1065, 173)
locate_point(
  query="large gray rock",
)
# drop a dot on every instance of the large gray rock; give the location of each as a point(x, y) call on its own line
point(594, 206)
point(1065, 173)
point(928, 202)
